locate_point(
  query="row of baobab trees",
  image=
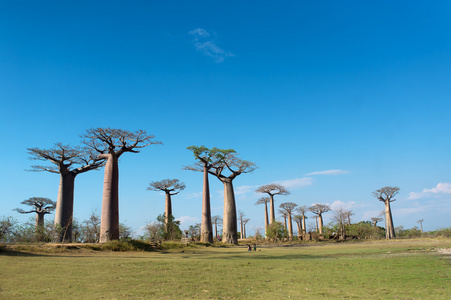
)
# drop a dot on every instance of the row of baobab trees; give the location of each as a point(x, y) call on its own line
point(290, 211)
point(102, 147)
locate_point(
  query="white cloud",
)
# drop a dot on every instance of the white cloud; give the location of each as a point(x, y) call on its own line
point(193, 195)
point(187, 220)
point(345, 205)
point(244, 189)
point(199, 32)
point(329, 172)
point(442, 188)
point(205, 43)
point(296, 183)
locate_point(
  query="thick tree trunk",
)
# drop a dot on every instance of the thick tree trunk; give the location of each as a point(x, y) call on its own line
point(109, 223)
point(272, 211)
point(241, 230)
point(266, 219)
point(317, 228)
point(206, 235)
point(290, 227)
point(39, 226)
point(64, 208)
point(299, 228)
point(285, 223)
point(320, 225)
point(389, 229)
point(304, 229)
point(230, 235)
point(167, 211)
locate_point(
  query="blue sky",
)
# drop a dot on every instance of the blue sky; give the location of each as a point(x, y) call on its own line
point(335, 99)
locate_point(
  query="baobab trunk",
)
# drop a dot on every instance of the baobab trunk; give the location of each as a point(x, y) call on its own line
point(272, 212)
point(206, 227)
point(290, 227)
point(320, 226)
point(64, 208)
point(303, 225)
point(266, 219)
point(167, 211)
point(230, 235)
point(389, 228)
point(109, 223)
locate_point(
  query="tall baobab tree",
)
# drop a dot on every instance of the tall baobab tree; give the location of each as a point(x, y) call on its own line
point(245, 221)
point(216, 220)
point(41, 206)
point(302, 210)
point(288, 208)
point(421, 225)
point(68, 161)
point(386, 195)
point(205, 159)
point(228, 162)
point(284, 216)
point(272, 190)
point(376, 220)
point(265, 201)
point(341, 216)
point(241, 218)
point(349, 213)
point(319, 209)
point(170, 187)
point(110, 144)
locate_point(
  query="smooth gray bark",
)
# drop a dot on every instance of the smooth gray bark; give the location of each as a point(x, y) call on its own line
point(109, 221)
point(64, 208)
point(272, 210)
point(230, 235)
point(206, 235)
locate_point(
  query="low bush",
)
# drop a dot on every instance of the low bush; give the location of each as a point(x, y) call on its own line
point(127, 245)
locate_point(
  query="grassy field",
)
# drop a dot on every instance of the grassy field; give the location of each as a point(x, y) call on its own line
point(411, 269)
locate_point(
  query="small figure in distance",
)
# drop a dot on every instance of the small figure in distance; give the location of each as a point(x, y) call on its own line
point(255, 247)
point(249, 248)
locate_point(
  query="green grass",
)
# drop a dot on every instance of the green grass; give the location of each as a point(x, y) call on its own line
point(380, 270)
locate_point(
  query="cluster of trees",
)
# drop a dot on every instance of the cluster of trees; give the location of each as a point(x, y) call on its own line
point(102, 147)
point(341, 227)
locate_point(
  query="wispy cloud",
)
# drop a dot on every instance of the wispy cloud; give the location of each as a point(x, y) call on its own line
point(184, 220)
point(193, 195)
point(206, 43)
point(442, 188)
point(346, 205)
point(329, 172)
point(296, 183)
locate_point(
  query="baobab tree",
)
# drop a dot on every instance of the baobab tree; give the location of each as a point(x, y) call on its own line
point(40, 206)
point(110, 144)
point(421, 225)
point(170, 187)
point(341, 216)
point(376, 220)
point(205, 159)
point(272, 190)
point(265, 201)
point(216, 220)
point(288, 208)
point(245, 221)
point(302, 210)
point(386, 195)
point(319, 209)
point(241, 218)
point(68, 161)
point(284, 216)
point(228, 162)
